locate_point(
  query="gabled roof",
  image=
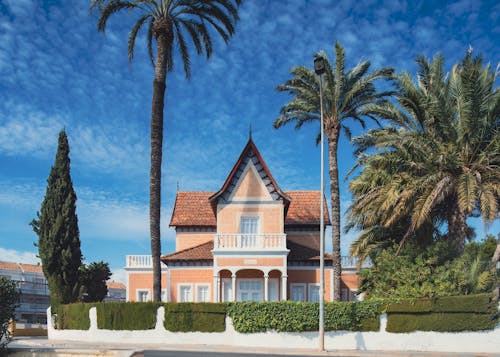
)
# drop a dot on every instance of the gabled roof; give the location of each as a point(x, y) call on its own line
point(250, 153)
point(193, 209)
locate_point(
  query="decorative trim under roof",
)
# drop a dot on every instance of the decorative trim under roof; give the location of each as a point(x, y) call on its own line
point(250, 153)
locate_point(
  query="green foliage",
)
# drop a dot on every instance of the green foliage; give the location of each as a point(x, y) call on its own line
point(300, 316)
point(57, 229)
point(187, 317)
point(126, 315)
point(430, 271)
point(73, 316)
point(8, 300)
point(445, 314)
point(440, 322)
point(481, 303)
point(435, 164)
point(93, 279)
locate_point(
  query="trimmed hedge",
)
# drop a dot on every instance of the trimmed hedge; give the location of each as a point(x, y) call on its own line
point(73, 316)
point(190, 317)
point(439, 322)
point(290, 316)
point(443, 314)
point(126, 315)
point(481, 303)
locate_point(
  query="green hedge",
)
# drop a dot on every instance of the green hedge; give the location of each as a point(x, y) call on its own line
point(440, 322)
point(188, 317)
point(481, 303)
point(126, 315)
point(443, 314)
point(300, 316)
point(73, 316)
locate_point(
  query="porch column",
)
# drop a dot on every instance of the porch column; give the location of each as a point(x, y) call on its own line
point(283, 287)
point(266, 287)
point(216, 288)
point(168, 297)
point(233, 285)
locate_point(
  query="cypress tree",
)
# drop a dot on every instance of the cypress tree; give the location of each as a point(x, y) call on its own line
point(57, 230)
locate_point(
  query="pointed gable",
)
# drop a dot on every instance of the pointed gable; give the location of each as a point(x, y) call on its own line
point(250, 177)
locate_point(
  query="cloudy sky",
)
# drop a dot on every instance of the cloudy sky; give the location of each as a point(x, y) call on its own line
point(57, 72)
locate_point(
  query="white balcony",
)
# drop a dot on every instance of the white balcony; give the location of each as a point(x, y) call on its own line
point(138, 261)
point(275, 241)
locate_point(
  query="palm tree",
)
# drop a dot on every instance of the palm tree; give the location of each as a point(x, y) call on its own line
point(169, 23)
point(437, 163)
point(345, 95)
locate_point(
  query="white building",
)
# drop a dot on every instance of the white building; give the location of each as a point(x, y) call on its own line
point(34, 293)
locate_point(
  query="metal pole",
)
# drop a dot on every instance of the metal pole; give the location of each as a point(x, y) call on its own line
point(322, 230)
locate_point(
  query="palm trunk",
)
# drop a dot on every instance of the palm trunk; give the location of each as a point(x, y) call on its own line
point(333, 140)
point(159, 84)
point(457, 225)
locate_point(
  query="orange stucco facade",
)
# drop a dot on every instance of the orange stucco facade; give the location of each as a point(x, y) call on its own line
point(222, 261)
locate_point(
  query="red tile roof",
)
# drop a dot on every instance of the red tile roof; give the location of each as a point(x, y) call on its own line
point(115, 285)
point(204, 252)
point(193, 208)
point(29, 268)
point(199, 252)
point(304, 208)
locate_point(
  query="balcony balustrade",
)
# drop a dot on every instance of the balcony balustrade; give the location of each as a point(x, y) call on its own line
point(275, 241)
point(139, 261)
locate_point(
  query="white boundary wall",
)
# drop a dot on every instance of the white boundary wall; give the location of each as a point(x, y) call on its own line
point(477, 341)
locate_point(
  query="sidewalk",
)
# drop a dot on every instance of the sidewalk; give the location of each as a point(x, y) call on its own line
point(28, 346)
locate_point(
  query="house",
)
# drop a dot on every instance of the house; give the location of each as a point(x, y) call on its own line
point(248, 241)
point(33, 291)
point(116, 291)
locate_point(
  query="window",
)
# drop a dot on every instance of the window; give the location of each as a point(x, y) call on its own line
point(164, 295)
point(249, 290)
point(249, 225)
point(185, 293)
point(203, 293)
point(298, 292)
point(143, 295)
point(313, 292)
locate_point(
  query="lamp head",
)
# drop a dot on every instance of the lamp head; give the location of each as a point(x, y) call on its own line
point(319, 65)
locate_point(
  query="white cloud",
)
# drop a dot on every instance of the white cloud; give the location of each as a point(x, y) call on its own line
point(119, 275)
point(11, 255)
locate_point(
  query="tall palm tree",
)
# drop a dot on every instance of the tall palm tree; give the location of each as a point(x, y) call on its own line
point(345, 95)
point(169, 23)
point(437, 163)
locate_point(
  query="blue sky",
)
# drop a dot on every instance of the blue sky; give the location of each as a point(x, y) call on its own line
point(57, 72)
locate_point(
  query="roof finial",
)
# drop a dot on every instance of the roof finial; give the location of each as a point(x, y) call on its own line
point(250, 132)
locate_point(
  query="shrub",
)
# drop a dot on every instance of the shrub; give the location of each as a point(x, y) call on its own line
point(290, 316)
point(445, 314)
point(73, 316)
point(202, 317)
point(126, 315)
point(8, 299)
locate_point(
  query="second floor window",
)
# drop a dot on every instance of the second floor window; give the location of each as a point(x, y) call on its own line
point(249, 225)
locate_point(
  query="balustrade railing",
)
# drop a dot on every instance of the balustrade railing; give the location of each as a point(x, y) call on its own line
point(250, 241)
point(139, 261)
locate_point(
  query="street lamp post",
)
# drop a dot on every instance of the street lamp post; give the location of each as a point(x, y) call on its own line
point(319, 69)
